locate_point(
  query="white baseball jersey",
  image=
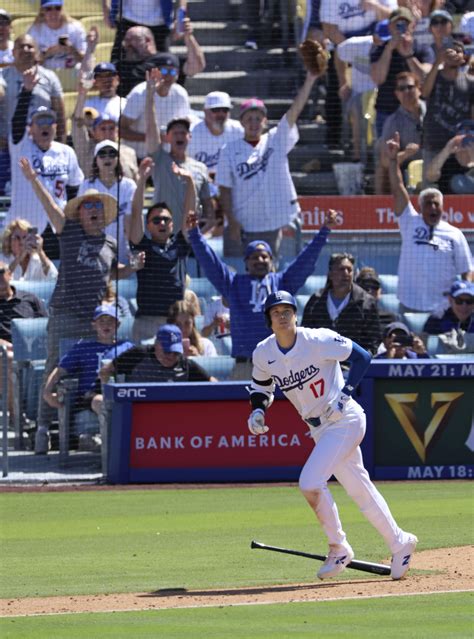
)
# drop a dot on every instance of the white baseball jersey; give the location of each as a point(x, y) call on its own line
point(123, 192)
point(356, 51)
point(46, 37)
point(349, 15)
point(427, 265)
point(206, 147)
point(309, 374)
point(174, 105)
point(263, 194)
point(56, 168)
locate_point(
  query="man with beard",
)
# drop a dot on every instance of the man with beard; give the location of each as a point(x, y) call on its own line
point(433, 251)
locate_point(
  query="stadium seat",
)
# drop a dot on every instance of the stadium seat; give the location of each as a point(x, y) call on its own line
point(220, 367)
point(68, 79)
point(43, 290)
point(202, 287)
point(416, 321)
point(313, 284)
point(127, 288)
point(433, 344)
point(29, 339)
point(21, 25)
point(103, 52)
point(80, 8)
point(106, 34)
point(389, 302)
point(389, 283)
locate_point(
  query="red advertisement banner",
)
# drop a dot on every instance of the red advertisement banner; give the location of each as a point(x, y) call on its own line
point(375, 212)
point(181, 435)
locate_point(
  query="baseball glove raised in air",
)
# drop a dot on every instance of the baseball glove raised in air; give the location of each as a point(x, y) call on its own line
point(315, 56)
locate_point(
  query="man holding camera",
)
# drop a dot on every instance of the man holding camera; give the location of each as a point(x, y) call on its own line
point(400, 53)
point(399, 343)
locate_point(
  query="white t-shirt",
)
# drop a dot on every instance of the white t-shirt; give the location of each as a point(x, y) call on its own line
point(34, 271)
point(56, 168)
point(309, 375)
point(209, 350)
point(348, 15)
point(427, 266)
point(356, 51)
point(112, 106)
point(6, 55)
point(174, 105)
point(46, 37)
point(123, 192)
point(147, 12)
point(263, 194)
point(206, 147)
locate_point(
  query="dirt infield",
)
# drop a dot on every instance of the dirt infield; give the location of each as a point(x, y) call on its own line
point(448, 570)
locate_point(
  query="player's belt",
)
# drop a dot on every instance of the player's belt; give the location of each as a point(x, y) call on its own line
point(313, 421)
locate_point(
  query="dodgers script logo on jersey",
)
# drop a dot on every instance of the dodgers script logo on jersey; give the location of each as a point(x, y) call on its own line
point(208, 159)
point(347, 10)
point(296, 379)
point(47, 167)
point(421, 236)
point(248, 170)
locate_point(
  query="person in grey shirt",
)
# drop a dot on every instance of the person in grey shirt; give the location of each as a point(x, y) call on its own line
point(88, 262)
point(47, 91)
point(169, 186)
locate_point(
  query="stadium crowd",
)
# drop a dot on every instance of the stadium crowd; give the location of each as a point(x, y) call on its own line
point(133, 184)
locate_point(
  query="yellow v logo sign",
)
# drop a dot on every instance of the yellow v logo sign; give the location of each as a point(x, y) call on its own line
point(403, 405)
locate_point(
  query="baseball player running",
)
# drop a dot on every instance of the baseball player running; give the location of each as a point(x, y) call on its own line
point(304, 363)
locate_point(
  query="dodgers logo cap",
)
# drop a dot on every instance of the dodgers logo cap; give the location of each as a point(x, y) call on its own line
point(257, 245)
point(461, 287)
point(170, 338)
point(104, 309)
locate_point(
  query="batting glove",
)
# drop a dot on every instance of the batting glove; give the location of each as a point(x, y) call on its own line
point(335, 410)
point(256, 422)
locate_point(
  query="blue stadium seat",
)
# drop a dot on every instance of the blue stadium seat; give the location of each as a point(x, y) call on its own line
point(389, 283)
point(202, 287)
point(29, 339)
point(127, 288)
point(313, 284)
point(220, 367)
point(389, 302)
point(416, 321)
point(433, 344)
point(43, 290)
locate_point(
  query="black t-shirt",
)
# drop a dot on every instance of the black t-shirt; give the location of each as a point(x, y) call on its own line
point(386, 99)
point(161, 282)
point(139, 364)
point(20, 306)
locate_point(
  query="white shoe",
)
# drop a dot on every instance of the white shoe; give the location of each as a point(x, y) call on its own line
point(42, 441)
point(335, 563)
point(401, 559)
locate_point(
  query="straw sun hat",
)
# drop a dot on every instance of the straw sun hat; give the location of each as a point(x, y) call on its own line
point(110, 205)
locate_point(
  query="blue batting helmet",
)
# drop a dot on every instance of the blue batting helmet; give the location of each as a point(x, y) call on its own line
point(280, 297)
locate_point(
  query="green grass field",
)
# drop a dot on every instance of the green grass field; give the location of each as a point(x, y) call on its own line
point(69, 543)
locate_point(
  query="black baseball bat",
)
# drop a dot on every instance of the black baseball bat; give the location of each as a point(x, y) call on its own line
point(365, 566)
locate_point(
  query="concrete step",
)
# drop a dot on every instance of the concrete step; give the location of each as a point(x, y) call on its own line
point(313, 158)
point(275, 83)
point(238, 58)
point(213, 10)
point(213, 32)
point(322, 183)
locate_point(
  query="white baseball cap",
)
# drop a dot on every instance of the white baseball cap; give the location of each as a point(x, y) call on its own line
point(217, 99)
point(104, 144)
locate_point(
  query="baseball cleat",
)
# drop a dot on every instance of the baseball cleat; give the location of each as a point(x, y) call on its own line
point(401, 559)
point(336, 563)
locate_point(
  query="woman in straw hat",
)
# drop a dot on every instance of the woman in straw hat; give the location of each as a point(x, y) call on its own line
point(88, 262)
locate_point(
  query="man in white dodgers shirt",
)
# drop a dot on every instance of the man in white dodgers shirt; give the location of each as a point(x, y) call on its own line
point(55, 163)
point(433, 251)
point(216, 129)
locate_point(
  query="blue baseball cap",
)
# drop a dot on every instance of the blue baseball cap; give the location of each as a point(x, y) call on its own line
point(105, 309)
point(170, 338)
point(461, 287)
point(105, 67)
point(105, 117)
point(51, 3)
point(257, 245)
point(42, 111)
